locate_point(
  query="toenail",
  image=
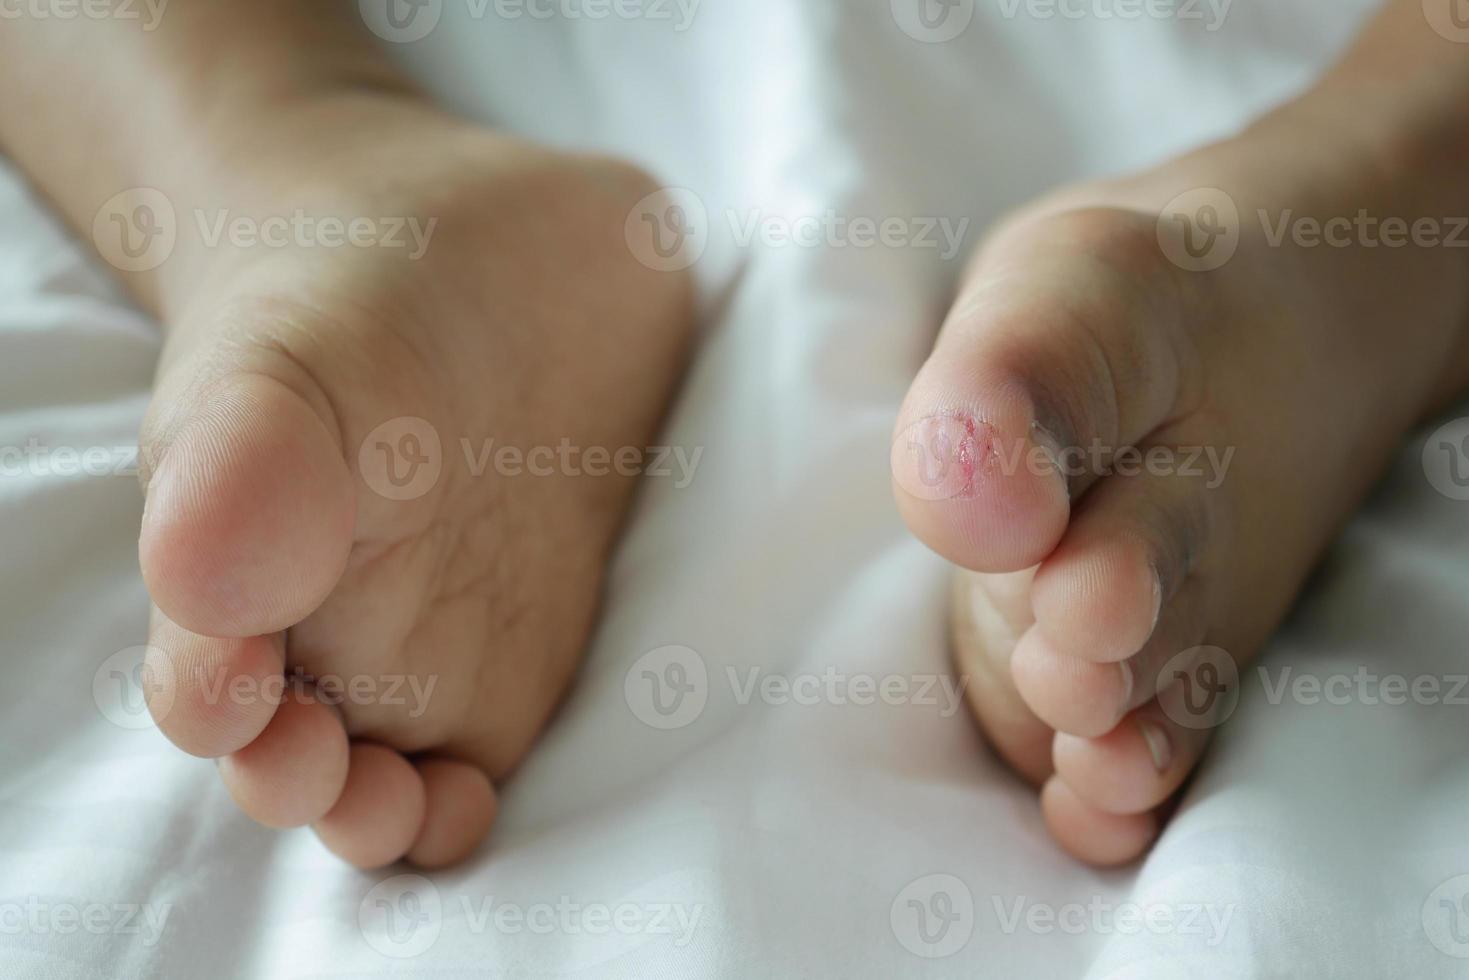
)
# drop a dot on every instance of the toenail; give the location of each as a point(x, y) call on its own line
point(1157, 597)
point(1160, 746)
point(1128, 682)
point(1051, 447)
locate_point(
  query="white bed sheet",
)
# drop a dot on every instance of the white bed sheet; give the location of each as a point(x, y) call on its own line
point(758, 839)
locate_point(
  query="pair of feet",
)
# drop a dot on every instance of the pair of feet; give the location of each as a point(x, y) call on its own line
point(266, 548)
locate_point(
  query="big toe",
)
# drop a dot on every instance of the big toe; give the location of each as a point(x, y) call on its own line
point(1062, 348)
point(250, 509)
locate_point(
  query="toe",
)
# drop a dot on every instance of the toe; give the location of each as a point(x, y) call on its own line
point(212, 696)
point(1131, 546)
point(1093, 835)
point(1134, 767)
point(293, 773)
point(1067, 341)
point(380, 811)
point(1088, 698)
point(1068, 694)
point(460, 809)
point(988, 613)
point(1124, 592)
point(249, 511)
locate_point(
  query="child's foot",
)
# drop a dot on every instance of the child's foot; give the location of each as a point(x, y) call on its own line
point(312, 500)
point(1264, 394)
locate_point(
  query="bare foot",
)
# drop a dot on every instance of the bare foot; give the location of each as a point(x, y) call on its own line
point(1138, 443)
point(311, 512)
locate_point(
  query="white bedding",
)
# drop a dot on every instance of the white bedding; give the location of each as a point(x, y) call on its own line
point(774, 837)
